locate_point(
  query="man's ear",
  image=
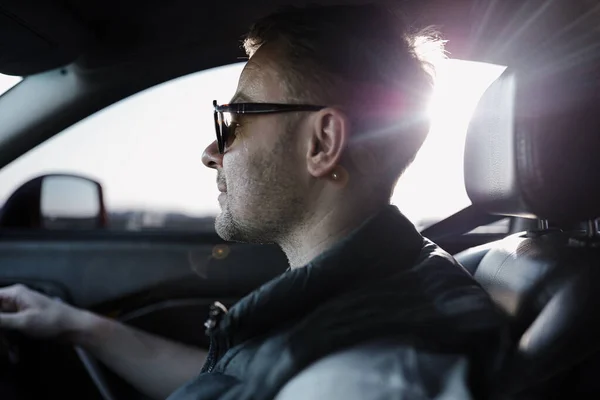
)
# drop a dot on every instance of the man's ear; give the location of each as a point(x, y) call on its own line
point(329, 136)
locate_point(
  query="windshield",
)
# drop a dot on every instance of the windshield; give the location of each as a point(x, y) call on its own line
point(7, 82)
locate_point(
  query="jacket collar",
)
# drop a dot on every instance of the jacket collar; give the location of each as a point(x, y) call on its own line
point(383, 244)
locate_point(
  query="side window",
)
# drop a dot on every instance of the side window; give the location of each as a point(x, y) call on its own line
point(432, 187)
point(146, 152)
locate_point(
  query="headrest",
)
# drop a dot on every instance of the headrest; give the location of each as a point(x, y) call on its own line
point(533, 145)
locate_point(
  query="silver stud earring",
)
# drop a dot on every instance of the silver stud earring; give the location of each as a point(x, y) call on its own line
point(334, 176)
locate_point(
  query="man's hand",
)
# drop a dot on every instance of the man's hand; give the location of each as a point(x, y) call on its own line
point(35, 314)
point(154, 365)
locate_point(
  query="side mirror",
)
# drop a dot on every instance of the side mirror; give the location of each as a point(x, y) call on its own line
point(56, 202)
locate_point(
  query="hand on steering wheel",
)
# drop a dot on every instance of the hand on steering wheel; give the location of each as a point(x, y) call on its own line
point(34, 314)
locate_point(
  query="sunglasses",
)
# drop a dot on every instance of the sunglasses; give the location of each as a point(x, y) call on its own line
point(224, 113)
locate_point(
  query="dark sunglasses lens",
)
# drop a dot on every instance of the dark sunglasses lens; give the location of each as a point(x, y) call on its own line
point(224, 130)
point(221, 131)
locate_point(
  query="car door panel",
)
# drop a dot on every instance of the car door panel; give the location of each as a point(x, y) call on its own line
point(128, 274)
point(161, 283)
point(154, 282)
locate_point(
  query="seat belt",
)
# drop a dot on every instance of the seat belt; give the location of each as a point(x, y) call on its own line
point(460, 223)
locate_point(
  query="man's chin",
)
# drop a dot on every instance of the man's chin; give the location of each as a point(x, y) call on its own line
point(226, 227)
point(223, 228)
point(229, 230)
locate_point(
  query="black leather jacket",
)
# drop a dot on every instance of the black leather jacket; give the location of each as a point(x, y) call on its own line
point(383, 282)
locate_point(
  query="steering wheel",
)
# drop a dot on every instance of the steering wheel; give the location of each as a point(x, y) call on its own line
point(16, 382)
point(9, 350)
point(93, 369)
point(12, 385)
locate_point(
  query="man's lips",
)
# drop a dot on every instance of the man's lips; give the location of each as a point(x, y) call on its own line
point(221, 183)
point(223, 194)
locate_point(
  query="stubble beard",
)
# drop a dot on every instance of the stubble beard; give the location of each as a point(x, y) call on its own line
point(271, 205)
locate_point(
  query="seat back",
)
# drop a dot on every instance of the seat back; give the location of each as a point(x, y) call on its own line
point(524, 158)
point(549, 285)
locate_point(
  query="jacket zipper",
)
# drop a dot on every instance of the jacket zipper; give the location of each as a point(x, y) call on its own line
point(215, 315)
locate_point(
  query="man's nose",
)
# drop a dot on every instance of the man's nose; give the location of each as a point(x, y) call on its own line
point(211, 156)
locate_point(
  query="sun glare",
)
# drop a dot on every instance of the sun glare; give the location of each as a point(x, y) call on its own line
point(437, 172)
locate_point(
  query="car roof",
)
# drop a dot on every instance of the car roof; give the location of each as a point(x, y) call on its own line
point(39, 35)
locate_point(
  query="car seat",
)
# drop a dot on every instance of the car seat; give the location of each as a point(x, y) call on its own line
point(533, 151)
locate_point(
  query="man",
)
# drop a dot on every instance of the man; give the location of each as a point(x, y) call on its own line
point(328, 113)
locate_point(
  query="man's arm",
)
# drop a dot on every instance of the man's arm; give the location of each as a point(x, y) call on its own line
point(154, 365)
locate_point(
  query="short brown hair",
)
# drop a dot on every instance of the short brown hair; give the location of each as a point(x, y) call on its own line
point(357, 56)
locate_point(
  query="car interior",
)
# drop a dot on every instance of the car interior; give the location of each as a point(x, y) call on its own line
point(530, 155)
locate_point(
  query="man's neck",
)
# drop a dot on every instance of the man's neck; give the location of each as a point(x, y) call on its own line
point(322, 231)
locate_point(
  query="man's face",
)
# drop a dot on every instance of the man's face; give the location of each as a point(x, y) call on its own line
point(262, 174)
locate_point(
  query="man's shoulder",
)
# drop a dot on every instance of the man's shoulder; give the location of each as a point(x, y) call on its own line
point(444, 281)
point(428, 313)
point(381, 369)
point(430, 296)
point(433, 256)
point(433, 278)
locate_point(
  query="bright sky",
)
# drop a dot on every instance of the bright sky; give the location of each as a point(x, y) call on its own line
point(146, 149)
